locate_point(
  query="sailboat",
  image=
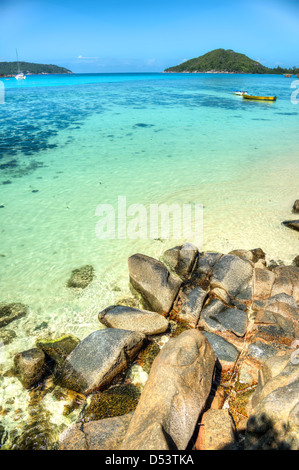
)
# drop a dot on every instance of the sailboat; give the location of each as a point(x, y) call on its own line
point(20, 75)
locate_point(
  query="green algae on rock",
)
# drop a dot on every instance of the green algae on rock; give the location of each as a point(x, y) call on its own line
point(179, 328)
point(116, 401)
point(58, 349)
point(147, 356)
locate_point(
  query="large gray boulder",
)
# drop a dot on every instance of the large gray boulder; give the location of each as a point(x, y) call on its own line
point(174, 395)
point(230, 275)
point(191, 304)
point(29, 366)
point(226, 352)
point(217, 431)
point(104, 434)
point(286, 281)
point(217, 317)
point(232, 319)
point(263, 281)
point(274, 419)
point(204, 264)
point(99, 358)
point(133, 319)
point(181, 259)
point(206, 321)
point(152, 280)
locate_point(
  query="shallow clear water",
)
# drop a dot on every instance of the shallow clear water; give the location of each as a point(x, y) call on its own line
point(71, 142)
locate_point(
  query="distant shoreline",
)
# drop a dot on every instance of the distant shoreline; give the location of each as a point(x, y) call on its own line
point(229, 73)
point(11, 69)
point(41, 73)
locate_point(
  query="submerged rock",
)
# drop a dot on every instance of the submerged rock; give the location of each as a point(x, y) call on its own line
point(11, 312)
point(152, 280)
point(133, 319)
point(7, 336)
point(174, 395)
point(296, 206)
point(38, 433)
point(81, 277)
point(99, 358)
point(29, 366)
point(294, 224)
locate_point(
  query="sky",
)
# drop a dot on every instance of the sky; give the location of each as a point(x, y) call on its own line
point(146, 35)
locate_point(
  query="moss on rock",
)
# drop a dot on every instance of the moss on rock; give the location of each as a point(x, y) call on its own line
point(58, 349)
point(147, 356)
point(116, 401)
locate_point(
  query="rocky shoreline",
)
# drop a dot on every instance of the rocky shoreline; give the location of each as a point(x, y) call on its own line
point(214, 338)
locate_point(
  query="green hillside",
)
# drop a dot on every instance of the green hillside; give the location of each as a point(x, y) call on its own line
point(11, 68)
point(221, 60)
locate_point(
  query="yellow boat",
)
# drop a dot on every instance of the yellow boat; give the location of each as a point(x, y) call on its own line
point(266, 98)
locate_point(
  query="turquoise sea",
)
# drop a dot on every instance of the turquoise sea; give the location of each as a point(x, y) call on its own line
point(71, 142)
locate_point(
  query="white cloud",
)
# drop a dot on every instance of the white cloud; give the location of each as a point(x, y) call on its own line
point(87, 58)
point(150, 62)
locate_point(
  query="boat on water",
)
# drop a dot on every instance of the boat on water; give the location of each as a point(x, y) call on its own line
point(240, 93)
point(260, 98)
point(20, 75)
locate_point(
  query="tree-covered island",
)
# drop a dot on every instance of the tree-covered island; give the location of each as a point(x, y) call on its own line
point(226, 61)
point(10, 69)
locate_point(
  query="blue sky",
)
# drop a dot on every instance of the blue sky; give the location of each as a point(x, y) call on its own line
point(146, 35)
